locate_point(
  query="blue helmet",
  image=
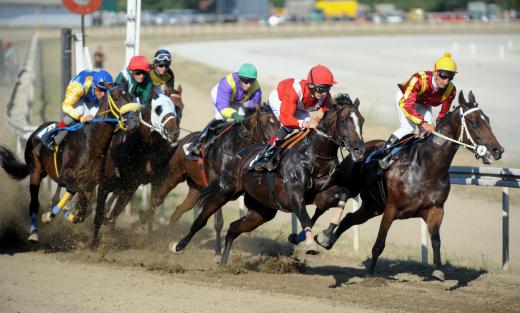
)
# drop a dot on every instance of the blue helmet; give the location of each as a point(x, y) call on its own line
point(101, 78)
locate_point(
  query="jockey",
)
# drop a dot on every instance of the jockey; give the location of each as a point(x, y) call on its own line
point(137, 79)
point(234, 91)
point(82, 100)
point(416, 97)
point(161, 73)
point(291, 102)
point(162, 76)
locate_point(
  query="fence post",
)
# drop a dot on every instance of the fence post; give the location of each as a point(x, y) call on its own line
point(424, 242)
point(66, 58)
point(355, 229)
point(505, 228)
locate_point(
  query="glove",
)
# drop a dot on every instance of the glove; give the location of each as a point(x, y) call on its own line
point(237, 117)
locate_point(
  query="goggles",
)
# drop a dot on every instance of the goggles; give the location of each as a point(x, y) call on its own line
point(246, 80)
point(321, 88)
point(163, 65)
point(446, 75)
point(139, 72)
point(163, 57)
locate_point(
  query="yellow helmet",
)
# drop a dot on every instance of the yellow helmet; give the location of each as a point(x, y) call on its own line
point(445, 63)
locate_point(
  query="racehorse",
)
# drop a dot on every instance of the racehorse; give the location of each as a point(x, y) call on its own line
point(76, 162)
point(304, 173)
point(134, 156)
point(417, 183)
point(259, 125)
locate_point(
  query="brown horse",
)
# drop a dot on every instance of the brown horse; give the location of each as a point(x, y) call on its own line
point(304, 174)
point(417, 183)
point(135, 156)
point(259, 125)
point(77, 163)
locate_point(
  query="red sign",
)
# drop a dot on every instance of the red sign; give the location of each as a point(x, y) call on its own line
point(88, 8)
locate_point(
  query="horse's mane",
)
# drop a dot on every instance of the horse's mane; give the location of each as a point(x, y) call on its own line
point(264, 108)
point(342, 99)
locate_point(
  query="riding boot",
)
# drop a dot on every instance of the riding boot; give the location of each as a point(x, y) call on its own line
point(196, 145)
point(268, 160)
point(384, 163)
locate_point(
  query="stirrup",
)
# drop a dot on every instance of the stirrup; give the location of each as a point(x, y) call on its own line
point(384, 163)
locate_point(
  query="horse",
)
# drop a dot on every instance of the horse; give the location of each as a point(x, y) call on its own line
point(259, 125)
point(76, 163)
point(417, 183)
point(133, 156)
point(303, 175)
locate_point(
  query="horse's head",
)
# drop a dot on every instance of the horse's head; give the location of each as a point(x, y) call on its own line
point(161, 115)
point(343, 123)
point(176, 97)
point(261, 122)
point(117, 103)
point(475, 129)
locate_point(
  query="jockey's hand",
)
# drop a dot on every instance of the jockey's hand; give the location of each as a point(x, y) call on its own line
point(310, 124)
point(86, 118)
point(237, 117)
point(426, 127)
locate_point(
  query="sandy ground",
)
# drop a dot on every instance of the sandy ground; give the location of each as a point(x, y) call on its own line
point(133, 272)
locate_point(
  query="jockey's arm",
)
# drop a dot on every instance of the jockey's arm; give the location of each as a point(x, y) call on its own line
point(446, 104)
point(146, 97)
point(408, 100)
point(223, 100)
point(287, 110)
point(73, 93)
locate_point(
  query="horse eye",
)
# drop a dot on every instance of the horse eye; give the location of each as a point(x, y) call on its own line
point(474, 123)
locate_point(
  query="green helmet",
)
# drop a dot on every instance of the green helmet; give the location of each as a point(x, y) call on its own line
point(247, 70)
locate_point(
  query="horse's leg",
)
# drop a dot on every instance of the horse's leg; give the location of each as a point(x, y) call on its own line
point(56, 197)
point(379, 245)
point(433, 218)
point(218, 224)
point(122, 200)
point(324, 201)
point(34, 189)
point(213, 203)
point(102, 195)
point(256, 215)
point(186, 205)
point(160, 190)
point(297, 203)
point(78, 216)
point(363, 214)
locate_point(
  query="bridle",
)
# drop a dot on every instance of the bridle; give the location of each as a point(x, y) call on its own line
point(480, 150)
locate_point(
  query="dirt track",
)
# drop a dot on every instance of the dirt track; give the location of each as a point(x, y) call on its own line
point(133, 271)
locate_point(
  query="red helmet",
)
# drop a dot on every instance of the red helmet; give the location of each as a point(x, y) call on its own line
point(139, 62)
point(320, 75)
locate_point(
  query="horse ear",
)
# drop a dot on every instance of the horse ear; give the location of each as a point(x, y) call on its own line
point(179, 88)
point(462, 100)
point(257, 107)
point(471, 97)
point(357, 103)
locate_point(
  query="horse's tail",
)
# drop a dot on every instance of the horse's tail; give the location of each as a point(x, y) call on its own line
point(14, 167)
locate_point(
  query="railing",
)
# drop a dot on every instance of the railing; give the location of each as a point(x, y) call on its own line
point(22, 97)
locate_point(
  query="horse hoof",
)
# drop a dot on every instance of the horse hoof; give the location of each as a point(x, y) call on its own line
point(217, 258)
point(311, 248)
point(47, 217)
point(144, 217)
point(324, 240)
point(438, 274)
point(33, 237)
point(173, 247)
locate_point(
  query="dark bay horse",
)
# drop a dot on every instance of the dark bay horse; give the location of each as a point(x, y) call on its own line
point(134, 156)
point(305, 172)
point(259, 125)
point(77, 163)
point(417, 183)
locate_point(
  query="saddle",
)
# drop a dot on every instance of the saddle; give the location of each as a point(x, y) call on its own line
point(406, 141)
point(215, 130)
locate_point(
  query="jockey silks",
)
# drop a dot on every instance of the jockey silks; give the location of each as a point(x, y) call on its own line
point(230, 96)
point(421, 89)
point(79, 88)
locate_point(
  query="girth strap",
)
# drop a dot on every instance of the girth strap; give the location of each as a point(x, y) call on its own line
point(273, 194)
